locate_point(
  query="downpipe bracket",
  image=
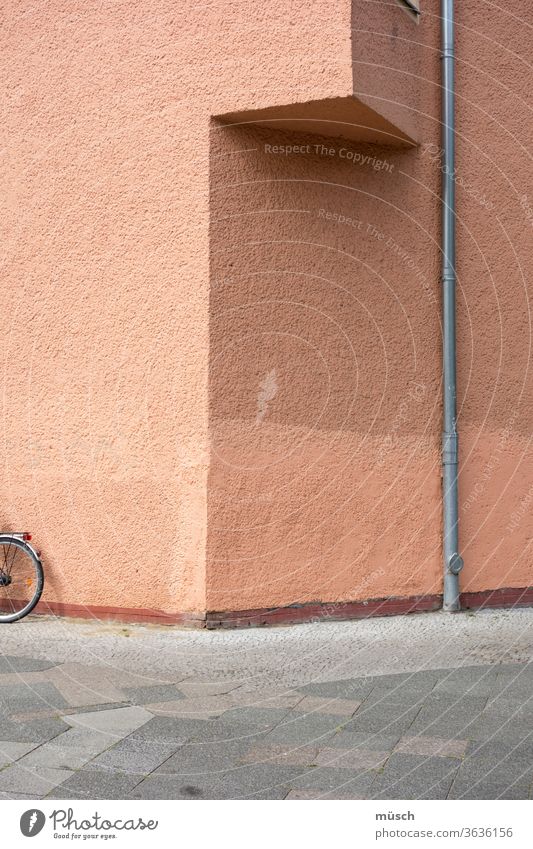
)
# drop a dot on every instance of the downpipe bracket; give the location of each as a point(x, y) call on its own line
point(455, 564)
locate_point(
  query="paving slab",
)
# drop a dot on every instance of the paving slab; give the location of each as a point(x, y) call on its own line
point(333, 783)
point(364, 740)
point(338, 710)
point(305, 729)
point(448, 716)
point(293, 756)
point(152, 694)
point(165, 729)
point(434, 746)
point(89, 784)
point(174, 787)
point(255, 718)
point(356, 689)
point(28, 697)
point(199, 759)
point(82, 685)
point(10, 752)
point(257, 781)
point(37, 780)
point(386, 718)
point(493, 775)
point(13, 663)
point(354, 759)
point(132, 755)
point(31, 731)
point(335, 707)
point(415, 777)
point(116, 723)
point(198, 708)
point(70, 750)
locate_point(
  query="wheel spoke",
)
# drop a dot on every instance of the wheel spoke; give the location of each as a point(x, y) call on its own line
point(21, 583)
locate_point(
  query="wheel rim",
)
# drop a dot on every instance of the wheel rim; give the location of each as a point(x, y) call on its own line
point(19, 579)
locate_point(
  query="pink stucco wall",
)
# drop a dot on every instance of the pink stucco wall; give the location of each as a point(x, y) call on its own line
point(215, 395)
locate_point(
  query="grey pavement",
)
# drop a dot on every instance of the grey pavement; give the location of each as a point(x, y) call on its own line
point(420, 707)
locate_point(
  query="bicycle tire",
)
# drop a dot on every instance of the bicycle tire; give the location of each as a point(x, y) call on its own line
point(19, 544)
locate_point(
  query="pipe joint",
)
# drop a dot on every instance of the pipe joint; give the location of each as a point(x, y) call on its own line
point(450, 449)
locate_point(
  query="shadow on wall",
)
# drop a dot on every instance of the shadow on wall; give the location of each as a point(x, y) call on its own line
point(324, 372)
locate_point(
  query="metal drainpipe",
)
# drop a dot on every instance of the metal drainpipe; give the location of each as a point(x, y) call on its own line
point(453, 563)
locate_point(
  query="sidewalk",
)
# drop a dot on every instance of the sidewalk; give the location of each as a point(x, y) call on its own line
point(423, 707)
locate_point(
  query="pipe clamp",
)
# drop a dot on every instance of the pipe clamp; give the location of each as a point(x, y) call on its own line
point(455, 563)
point(450, 449)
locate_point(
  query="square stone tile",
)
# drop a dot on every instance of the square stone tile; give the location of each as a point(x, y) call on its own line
point(409, 689)
point(35, 696)
point(32, 780)
point(117, 723)
point(166, 729)
point(284, 700)
point(498, 750)
point(89, 784)
point(258, 781)
point(448, 716)
point(157, 786)
point(333, 783)
point(517, 709)
point(414, 777)
point(336, 707)
point(132, 756)
point(476, 681)
point(388, 719)
point(32, 731)
point(153, 694)
point(198, 708)
point(10, 752)
point(82, 685)
point(217, 731)
point(318, 794)
point(10, 664)
point(70, 750)
point(434, 746)
point(488, 778)
point(293, 756)
point(354, 759)
point(18, 796)
point(201, 689)
point(200, 759)
point(258, 719)
point(364, 740)
point(305, 729)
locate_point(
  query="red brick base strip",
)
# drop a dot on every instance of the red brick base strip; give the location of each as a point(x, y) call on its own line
point(323, 612)
point(338, 611)
point(507, 597)
point(315, 612)
point(145, 616)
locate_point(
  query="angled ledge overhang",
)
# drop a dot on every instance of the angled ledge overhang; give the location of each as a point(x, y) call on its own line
point(340, 117)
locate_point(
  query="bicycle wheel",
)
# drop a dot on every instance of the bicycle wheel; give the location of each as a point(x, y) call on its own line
point(21, 578)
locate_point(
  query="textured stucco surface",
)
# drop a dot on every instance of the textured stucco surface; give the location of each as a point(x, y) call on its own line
point(104, 301)
point(325, 334)
point(324, 480)
point(141, 443)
